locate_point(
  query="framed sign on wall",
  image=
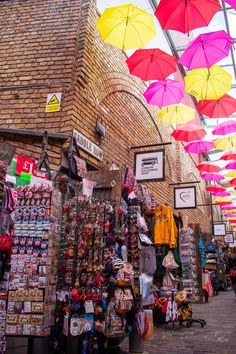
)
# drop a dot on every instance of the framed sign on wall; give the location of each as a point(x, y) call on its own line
point(185, 197)
point(229, 238)
point(219, 229)
point(150, 165)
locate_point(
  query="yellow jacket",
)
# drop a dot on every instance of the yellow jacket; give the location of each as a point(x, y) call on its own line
point(165, 230)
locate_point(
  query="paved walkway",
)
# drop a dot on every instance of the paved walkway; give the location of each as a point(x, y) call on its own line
point(218, 336)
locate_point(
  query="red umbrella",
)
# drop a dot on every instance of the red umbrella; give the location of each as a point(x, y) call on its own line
point(184, 16)
point(189, 132)
point(229, 155)
point(223, 107)
point(208, 167)
point(151, 64)
point(223, 203)
point(215, 188)
point(233, 182)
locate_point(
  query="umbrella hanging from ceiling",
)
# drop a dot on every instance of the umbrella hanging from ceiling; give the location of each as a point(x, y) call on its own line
point(231, 3)
point(151, 64)
point(212, 176)
point(231, 165)
point(231, 174)
point(226, 143)
point(188, 132)
point(199, 146)
point(126, 26)
point(221, 194)
point(228, 155)
point(184, 16)
point(208, 167)
point(215, 188)
point(164, 93)
point(206, 50)
point(177, 114)
point(208, 84)
point(227, 127)
point(223, 107)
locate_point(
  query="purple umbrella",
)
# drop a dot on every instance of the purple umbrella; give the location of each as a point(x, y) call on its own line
point(231, 3)
point(231, 166)
point(212, 176)
point(224, 128)
point(199, 146)
point(206, 50)
point(221, 194)
point(165, 92)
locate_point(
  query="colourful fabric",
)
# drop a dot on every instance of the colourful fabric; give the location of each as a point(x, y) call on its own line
point(165, 230)
point(206, 283)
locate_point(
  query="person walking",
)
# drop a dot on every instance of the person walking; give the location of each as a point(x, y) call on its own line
point(231, 271)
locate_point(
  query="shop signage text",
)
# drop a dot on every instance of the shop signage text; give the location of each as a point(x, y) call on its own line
point(87, 145)
point(150, 165)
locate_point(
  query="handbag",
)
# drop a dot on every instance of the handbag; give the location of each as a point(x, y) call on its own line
point(77, 166)
point(5, 243)
point(123, 300)
point(124, 276)
point(114, 324)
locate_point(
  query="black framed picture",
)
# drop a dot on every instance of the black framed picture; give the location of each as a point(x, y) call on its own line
point(185, 197)
point(150, 165)
point(219, 229)
point(229, 238)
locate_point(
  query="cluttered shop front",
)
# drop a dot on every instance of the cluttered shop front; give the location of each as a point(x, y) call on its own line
point(90, 258)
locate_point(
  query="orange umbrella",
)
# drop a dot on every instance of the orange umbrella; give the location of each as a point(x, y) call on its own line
point(208, 167)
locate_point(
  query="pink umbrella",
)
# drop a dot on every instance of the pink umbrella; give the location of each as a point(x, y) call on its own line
point(229, 215)
point(199, 146)
point(231, 3)
point(165, 92)
point(206, 50)
point(221, 194)
point(212, 176)
point(228, 207)
point(224, 128)
point(231, 166)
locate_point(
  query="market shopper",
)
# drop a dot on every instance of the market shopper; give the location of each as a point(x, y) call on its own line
point(231, 271)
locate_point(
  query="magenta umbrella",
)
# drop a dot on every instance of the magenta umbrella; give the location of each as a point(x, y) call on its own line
point(228, 207)
point(206, 50)
point(199, 146)
point(231, 3)
point(229, 215)
point(212, 176)
point(231, 165)
point(224, 128)
point(165, 92)
point(221, 194)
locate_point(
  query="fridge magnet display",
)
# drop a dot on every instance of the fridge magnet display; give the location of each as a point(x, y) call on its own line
point(185, 197)
point(150, 165)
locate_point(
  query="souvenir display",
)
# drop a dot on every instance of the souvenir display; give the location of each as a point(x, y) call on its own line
point(32, 278)
point(188, 261)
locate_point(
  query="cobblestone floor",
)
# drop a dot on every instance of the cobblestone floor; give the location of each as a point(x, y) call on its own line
point(218, 336)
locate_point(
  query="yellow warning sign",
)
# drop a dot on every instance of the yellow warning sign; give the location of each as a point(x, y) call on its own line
point(53, 102)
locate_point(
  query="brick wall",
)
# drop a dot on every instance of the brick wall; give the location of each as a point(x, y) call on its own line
point(53, 46)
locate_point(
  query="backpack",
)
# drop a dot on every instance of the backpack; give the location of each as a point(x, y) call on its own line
point(115, 324)
point(123, 300)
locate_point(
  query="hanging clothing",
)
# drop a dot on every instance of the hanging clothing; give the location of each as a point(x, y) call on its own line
point(161, 252)
point(165, 230)
point(148, 259)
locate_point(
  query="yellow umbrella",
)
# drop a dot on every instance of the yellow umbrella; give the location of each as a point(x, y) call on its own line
point(126, 27)
point(208, 84)
point(179, 114)
point(231, 174)
point(226, 143)
point(223, 199)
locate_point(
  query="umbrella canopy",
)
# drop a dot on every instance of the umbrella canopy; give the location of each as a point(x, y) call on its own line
point(224, 128)
point(126, 26)
point(231, 166)
point(226, 143)
point(208, 167)
point(206, 50)
point(223, 199)
point(223, 203)
point(233, 182)
point(199, 146)
point(233, 215)
point(151, 64)
point(177, 114)
point(221, 194)
point(231, 174)
point(229, 155)
point(231, 207)
point(231, 3)
point(215, 188)
point(184, 16)
point(208, 84)
point(189, 132)
point(223, 107)
point(212, 176)
point(165, 92)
